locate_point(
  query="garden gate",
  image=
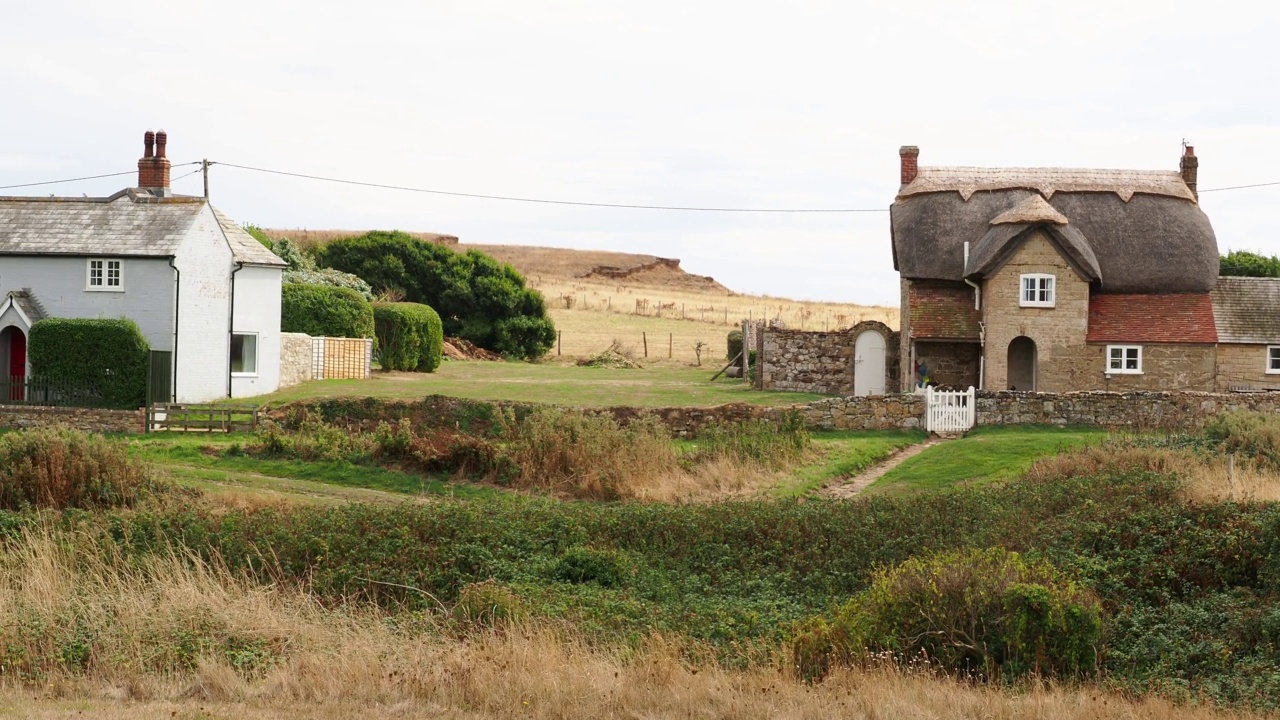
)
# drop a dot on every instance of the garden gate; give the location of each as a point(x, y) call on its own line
point(948, 411)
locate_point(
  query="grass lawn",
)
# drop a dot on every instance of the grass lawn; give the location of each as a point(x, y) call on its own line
point(984, 455)
point(843, 454)
point(197, 461)
point(661, 385)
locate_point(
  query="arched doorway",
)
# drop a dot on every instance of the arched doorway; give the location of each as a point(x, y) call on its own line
point(1022, 364)
point(13, 363)
point(868, 363)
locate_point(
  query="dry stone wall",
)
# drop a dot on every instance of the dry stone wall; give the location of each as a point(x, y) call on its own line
point(818, 362)
point(295, 359)
point(26, 417)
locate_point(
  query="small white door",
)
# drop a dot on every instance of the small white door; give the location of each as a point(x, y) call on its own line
point(868, 364)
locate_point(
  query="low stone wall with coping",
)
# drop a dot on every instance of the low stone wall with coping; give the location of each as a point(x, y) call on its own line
point(26, 417)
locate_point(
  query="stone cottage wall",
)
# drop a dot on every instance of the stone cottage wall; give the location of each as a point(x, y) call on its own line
point(1243, 365)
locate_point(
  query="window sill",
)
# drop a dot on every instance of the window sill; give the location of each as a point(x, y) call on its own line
point(1274, 372)
point(1042, 306)
point(244, 375)
point(1125, 372)
point(109, 290)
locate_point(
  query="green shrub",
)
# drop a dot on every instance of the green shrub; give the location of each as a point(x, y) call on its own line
point(258, 234)
point(478, 298)
point(984, 612)
point(329, 277)
point(62, 468)
point(1255, 436)
point(410, 336)
point(587, 565)
point(735, 344)
point(108, 357)
point(1248, 264)
point(325, 311)
point(488, 604)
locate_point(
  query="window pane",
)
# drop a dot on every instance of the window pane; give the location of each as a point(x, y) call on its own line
point(1273, 358)
point(113, 273)
point(1131, 359)
point(95, 272)
point(244, 353)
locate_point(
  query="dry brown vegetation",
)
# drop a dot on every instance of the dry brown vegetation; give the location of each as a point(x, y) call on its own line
point(172, 637)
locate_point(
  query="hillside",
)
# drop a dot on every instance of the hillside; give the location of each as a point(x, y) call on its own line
point(599, 265)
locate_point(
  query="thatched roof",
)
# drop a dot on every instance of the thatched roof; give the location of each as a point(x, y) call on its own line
point(1032, 210)
point(1151, 243)
point(1247, 310)
point(1002, 242)
point(1047, 181)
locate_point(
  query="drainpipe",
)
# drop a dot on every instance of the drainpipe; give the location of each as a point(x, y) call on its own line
point(177, 307)
point(231, 323)
point(982, 327)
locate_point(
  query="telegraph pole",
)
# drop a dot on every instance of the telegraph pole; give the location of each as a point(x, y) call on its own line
point(204, 167)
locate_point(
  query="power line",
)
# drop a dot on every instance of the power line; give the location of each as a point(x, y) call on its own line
point(78, 179)
point(1241, 187)
point(545, 201)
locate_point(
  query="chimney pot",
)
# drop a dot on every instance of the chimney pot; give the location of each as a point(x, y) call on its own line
point(161, 138)
point(148, 142)
point(153, 166)
point(909, 156)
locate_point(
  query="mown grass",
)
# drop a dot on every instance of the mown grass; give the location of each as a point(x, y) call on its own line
point(984, 455)
point(844, 454)
point(664, 385)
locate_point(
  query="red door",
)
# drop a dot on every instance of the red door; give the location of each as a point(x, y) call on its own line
point(17, 363)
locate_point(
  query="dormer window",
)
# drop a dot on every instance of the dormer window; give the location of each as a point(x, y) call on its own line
point(105, 275)
point(1037, 290)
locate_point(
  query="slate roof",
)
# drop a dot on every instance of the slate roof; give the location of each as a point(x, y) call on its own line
point(1145, 227)
point(942, 312)
point(1247, 310)
point(1149, 318)
point(131, 223)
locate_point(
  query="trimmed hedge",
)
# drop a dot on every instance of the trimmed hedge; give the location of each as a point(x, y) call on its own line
point(410, 336)
point(106, 356)
point(325, 311)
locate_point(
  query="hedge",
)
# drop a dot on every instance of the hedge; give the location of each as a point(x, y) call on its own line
point(109, 357)
point(410, 336)
point(325, 311)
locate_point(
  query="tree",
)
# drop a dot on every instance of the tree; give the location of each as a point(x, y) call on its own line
point(478, 298)
point(1242, 263)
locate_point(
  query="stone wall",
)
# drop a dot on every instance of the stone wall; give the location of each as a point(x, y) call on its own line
point(23, 417)
point(1243, 365)
point(295, 359)
point(819, 362)
point(952, 365)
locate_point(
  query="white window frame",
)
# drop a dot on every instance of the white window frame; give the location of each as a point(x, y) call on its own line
point(105, 268)
point(256, 355)
point(1123, 357)
point(1273, 359)
point(1044, 294)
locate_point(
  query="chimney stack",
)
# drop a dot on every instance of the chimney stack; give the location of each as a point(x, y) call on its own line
point(1190, 166)
point(909, 154)
point(153, 167)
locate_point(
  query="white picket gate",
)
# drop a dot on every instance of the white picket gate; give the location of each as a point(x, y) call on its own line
point(948, 411)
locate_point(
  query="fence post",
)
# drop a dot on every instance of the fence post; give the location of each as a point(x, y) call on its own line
point(559, 336)
point(670, 343)
point(644, 336)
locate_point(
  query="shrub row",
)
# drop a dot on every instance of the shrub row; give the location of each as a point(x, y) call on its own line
point(105, 357)
point(325, 311)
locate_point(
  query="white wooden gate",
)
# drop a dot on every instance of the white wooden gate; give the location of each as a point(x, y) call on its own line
point(868, 364)
point(948, 411)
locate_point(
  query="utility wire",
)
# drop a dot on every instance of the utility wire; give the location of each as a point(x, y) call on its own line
point(87, 177)
point(545, 201)
point(1241, 187)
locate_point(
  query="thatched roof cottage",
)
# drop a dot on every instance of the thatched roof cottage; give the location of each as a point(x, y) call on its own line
point(1060, 279)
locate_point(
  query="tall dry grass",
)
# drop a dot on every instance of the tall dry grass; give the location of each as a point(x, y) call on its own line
point(169, 636)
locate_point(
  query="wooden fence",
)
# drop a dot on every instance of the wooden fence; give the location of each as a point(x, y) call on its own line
point(177, 417)
point(341, 358)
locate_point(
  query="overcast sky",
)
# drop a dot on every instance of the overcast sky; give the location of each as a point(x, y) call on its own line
point(736, 103)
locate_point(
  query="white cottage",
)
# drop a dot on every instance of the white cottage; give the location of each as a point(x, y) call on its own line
point(204, 292)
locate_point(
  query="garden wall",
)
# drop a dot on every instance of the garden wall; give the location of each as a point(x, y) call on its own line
point(21, 417)
point(819, 362)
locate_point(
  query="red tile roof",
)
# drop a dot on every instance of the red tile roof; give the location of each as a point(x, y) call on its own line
point(942, 312)
point(1183, 318)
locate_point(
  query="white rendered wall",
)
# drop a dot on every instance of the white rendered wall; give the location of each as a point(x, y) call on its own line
point(257, 310)
point(204, 312)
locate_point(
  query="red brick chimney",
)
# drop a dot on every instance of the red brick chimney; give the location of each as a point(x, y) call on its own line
point(1190, 167)
point(909, 154)
point(153, 167)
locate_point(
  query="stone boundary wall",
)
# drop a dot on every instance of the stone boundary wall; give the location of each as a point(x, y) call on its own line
point(818, 362)
point(295, 358)
point(25, 417)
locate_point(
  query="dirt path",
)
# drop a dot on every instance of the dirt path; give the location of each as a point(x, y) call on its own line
point(847, 487)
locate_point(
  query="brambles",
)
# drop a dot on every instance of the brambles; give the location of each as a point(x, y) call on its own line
point(63, 468)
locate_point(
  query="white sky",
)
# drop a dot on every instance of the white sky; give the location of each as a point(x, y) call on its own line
point(736, 103)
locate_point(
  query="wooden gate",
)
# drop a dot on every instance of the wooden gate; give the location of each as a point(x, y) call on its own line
point(949, 411)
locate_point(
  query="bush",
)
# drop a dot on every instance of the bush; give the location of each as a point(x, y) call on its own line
point(410, 336)
point(1253, 435)
point(62, 468)
point(329, 277)
point(478, 298)
point(767, 444)
point(1246, 264)
point(988, 613)
point(325, 311)
point(107, 357)
point(735, 344)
